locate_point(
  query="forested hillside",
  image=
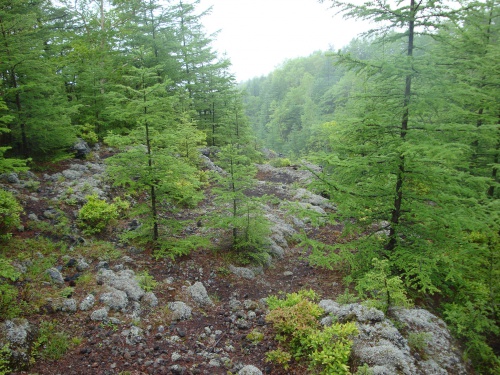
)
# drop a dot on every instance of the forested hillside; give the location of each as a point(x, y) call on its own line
point(157, 218)
point(405, 123)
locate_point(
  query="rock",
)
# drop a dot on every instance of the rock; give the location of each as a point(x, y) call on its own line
point(440, 351)
point(199, 294)
point(180, 311)
point(12, 178)
point(55, 275)
point(249, 370)
point(133, 335)
point(33, 217)
point(306, 196)
point(287, 273)
point(81, 149)
point(69, 305)
point(123, 280)
point(71, 175)
point(81, 265)
point(99, 315)
point(115, 299)
point(87, 303)
point(19, 335)
point(352, 311)
point(150, 299)
point(246, 273)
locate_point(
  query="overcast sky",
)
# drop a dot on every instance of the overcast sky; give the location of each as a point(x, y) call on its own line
point(258, 35)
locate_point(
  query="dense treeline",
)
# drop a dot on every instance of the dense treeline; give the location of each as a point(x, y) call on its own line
point(86, 68)
point(405, 123)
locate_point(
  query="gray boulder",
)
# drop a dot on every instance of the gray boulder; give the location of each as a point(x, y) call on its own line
point(180, 311)
point(199, 295)
point(115, 299)
point(123, 280)
point(99, 315)
point(19, 335)
point(81, 149)
point(55, 275)
point(244, 272)
point(87, 303)
point(69, 305)
point(249, 370)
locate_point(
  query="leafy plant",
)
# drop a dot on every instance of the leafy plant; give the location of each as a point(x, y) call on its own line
point(51, 342)
point(296, 322)
point(146, 281)
point(418, 341)
point(385, 291)
point(280, 162)
point(10, 211)
point(255, 337)
point(176, 247)
point(96, 214)
point(8, 293)
point(5, 360)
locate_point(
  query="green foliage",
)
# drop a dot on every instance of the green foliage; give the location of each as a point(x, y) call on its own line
point(96, 214)
point(280, 162)
point(364, 370)
point(296, 322)
point(418, 341)
point(255, 337)
point(146, 281)
point(51, 343)
point(347, 297)
point(87, 133)
point(10, 211)
point(386, 291)
point(5, 360)
point(237, 212)
point(473, 323)
point(176, 247)
point(8, 293)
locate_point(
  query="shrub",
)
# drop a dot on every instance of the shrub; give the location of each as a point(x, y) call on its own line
point(146, 281)
point(280, 162)
point(96, 214)
point(10, 211)
point(301, 337)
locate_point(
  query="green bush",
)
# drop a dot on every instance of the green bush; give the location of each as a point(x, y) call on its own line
point(8, 293)
point(296, 322)
point(280, 162)
point(10, 211)
point(146, 281)
point(96, 214)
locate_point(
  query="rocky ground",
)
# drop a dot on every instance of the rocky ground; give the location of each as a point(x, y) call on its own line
point(193, 315)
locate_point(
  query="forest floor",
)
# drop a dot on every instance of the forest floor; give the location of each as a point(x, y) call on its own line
point(209, 342)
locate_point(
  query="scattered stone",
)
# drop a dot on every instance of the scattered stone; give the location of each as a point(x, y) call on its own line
point(87, 303)
point(99, 315)
point(180, 311)
point(81, 149)
point(69, 305)
point(199, 294)
point(55, 275)
point(115, 299)
point(150, 299)
point(123, 280)
point(244, 272)
point(250, 370)
point(288, 273)
point(33, 217)
point(81, 265)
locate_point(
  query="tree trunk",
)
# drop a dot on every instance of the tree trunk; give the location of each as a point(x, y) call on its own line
point(398, 200)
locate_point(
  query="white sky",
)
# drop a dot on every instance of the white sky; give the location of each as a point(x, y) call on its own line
point(259, 35)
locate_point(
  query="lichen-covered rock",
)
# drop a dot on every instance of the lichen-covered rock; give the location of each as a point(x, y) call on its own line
point(306, 196)
point(99, 315)
point(69, 305)
point(440, 349)
point(87, 302)
point(244, 272)
point(55, 275)
point(180, 311)
point(352, 311)
point(249, 370)
point(150, 299)
point(115, 299)
point(199, 294)
point(123, 280)
point(19, 335)
point(81, 265)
